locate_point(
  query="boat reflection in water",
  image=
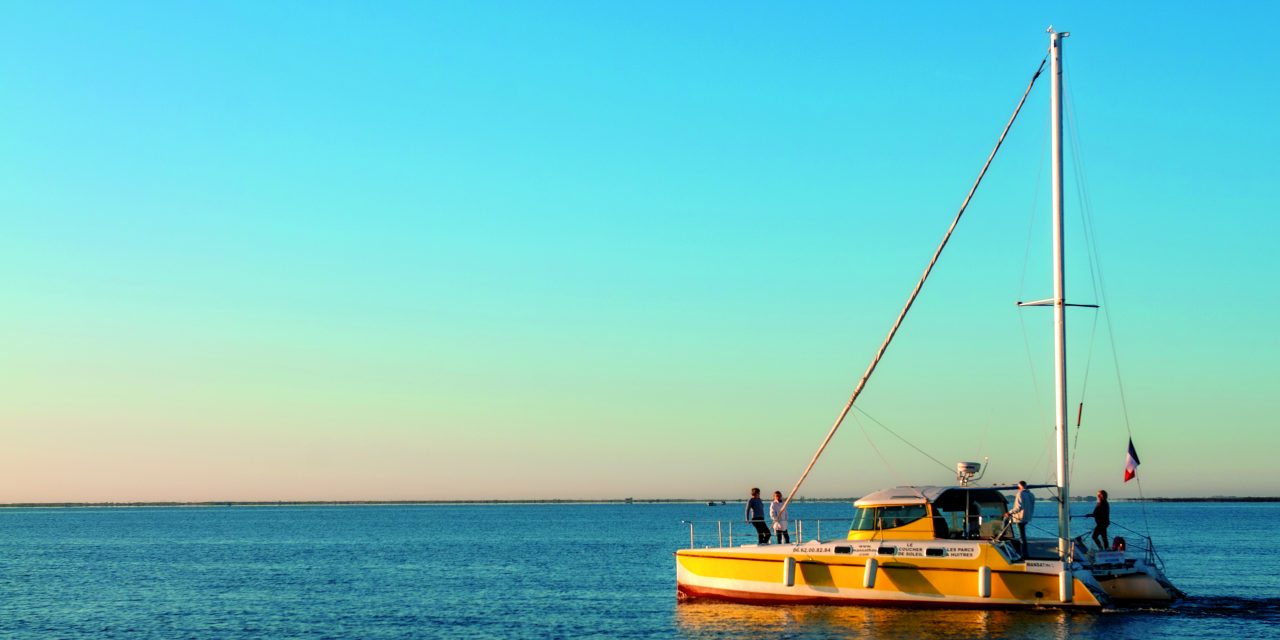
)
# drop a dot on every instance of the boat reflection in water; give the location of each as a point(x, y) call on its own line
point(715, 619)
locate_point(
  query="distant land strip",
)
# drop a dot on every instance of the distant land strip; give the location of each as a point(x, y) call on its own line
point(709, 502)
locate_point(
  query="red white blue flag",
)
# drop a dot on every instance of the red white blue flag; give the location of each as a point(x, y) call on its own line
point(1131, 463)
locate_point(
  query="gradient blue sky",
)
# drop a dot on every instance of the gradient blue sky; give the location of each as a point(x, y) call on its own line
point(302, 250)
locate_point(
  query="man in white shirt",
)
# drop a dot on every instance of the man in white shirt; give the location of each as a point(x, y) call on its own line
point(778, 514)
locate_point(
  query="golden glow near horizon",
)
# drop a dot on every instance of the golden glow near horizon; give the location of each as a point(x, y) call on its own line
point(604, 253)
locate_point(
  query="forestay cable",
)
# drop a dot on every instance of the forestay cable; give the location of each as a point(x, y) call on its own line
point(915, 292)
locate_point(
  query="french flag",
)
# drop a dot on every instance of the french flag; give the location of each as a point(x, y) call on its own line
point(1131, 463)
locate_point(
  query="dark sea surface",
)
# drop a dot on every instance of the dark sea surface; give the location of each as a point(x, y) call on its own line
point(533, 571)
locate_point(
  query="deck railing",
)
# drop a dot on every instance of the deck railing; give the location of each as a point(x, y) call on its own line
point(716, 533)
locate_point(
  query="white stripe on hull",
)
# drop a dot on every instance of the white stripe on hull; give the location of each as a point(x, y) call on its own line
point(756, 590)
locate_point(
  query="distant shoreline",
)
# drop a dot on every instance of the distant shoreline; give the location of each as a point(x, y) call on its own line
point(717, 501)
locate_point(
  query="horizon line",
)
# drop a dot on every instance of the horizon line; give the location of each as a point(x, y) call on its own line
point(497, 501)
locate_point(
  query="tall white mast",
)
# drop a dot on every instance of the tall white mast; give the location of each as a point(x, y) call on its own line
point(1059, 295)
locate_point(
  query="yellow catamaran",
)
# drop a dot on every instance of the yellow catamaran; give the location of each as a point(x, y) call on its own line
point(942, 545)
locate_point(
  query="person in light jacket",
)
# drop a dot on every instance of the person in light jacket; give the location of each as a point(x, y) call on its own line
point(755, 515)
point(1024, 507)
point(778, 514)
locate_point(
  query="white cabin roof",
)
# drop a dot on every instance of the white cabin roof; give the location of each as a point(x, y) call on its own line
point(896, 496)
point(925, 494)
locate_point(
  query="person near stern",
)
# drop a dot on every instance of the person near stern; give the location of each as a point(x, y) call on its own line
point(1101, 520)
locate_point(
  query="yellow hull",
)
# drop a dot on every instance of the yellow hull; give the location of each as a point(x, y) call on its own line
point(941, 574)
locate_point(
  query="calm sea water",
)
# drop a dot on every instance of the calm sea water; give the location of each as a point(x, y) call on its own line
point(536, 571)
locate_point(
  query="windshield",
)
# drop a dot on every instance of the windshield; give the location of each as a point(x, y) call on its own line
point(872, 518)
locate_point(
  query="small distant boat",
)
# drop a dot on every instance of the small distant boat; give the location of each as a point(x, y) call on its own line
point(711, 503)
point(942, 546)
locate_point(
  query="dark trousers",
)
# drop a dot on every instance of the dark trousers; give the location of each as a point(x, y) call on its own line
point(1100, 533)
point(762, 532)
point(783, 536)
point(1022, 533)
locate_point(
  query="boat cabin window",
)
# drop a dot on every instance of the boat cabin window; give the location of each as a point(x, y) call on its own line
point(872, 518)
point(970, 513)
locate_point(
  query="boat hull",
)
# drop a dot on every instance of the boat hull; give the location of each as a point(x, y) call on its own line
point(1142, 587)
point(690, 593)
point(1132, 581)
point(1136, 588)
point(975, 575)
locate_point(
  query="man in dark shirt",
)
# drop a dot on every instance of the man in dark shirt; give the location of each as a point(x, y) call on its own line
point(755, 515)
point(1101, 520)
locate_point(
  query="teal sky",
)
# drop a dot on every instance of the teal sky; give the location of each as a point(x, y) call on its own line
point(451, 250)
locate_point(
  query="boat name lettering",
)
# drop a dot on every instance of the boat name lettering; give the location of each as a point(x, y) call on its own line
point(855, 549)
point(1041, 566)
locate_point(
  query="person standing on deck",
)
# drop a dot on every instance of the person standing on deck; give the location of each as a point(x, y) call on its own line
point(1024, 507)
point(1101, 520)
point(778, 514)
point(755, 515)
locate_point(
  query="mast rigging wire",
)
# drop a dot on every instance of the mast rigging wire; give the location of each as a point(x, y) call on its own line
point(872, 444)
point(1085, 204)
point(1095, 272)
point(904, 440)
point(915, 292)
point(1042, 412)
